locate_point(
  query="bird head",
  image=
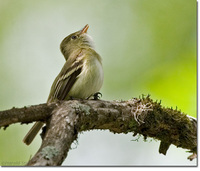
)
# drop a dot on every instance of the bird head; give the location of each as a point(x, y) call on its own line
point(75, 41)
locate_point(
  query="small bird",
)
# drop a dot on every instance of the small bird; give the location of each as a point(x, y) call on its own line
point(81, 76)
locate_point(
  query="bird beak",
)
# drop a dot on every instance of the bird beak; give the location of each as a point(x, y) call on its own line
point(84, 30)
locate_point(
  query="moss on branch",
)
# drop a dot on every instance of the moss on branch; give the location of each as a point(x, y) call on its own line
point(65, 119)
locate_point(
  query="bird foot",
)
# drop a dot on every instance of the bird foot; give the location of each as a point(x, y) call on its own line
point(96, 96)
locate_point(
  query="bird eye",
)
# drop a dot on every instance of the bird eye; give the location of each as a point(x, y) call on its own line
point(74, 37)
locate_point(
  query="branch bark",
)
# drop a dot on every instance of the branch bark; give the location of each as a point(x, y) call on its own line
point(64, 120)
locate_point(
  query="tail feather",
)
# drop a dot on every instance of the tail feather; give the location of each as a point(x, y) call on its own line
point(32, 133)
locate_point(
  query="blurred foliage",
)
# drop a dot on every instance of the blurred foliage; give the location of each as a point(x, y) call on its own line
point(148, 47)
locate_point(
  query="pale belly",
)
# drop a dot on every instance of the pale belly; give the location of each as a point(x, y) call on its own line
point(89, 81)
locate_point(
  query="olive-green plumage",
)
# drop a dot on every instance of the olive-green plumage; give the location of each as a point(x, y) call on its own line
point(80, 77)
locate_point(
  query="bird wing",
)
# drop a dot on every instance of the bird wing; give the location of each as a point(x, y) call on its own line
point(66, 78)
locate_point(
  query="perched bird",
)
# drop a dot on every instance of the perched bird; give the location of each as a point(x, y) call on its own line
point(81, 76)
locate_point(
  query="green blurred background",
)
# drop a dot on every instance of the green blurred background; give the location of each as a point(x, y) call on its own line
point(147, 46)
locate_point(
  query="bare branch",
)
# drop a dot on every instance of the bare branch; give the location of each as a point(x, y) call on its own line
point(26, 114)
point(140, 116)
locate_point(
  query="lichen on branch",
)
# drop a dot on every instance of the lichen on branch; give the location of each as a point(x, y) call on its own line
point(65, 119)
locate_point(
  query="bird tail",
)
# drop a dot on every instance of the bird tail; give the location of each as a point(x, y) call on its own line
point(32, 133)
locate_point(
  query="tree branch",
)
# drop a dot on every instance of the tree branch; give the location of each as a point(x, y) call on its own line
point(64, 120)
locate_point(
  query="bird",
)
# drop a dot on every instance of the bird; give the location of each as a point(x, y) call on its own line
point(81, 76)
